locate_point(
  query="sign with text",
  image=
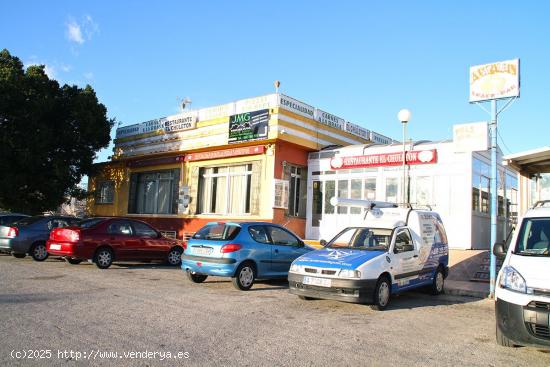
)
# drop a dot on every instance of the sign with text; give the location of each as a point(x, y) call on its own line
point(248, 126)
point(155, 161)
point(384, 159)
point(471, 137)
point(329, 119)
point(494, 81)
point(299, 108)
point(225, 153)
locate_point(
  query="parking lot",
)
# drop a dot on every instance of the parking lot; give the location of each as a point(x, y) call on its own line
point(148, 314)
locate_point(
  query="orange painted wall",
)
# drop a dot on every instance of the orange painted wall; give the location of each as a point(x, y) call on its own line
point(290, 153)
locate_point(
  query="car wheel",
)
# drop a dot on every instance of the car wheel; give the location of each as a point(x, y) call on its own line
point(196, 278)
point(174, 256)
point(73, 261)
point(382, 293)
point(503, 340)
point(244, 276)
point(39, 252)
point(103, 258)
point(438, 285)
point(18, 256)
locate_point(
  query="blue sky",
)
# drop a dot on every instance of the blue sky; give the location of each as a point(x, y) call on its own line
point(363, 60)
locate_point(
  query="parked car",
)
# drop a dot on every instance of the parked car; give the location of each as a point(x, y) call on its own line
point(397, 249)
point(29, 235)
point(522, 292)
point(104, 240)
point(7, 219)
point(243, 251)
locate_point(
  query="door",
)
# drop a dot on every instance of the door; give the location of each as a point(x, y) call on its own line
point(285, 248)
point(406, 263)
point(126, 245)
point(153, 247)
point(262, 249)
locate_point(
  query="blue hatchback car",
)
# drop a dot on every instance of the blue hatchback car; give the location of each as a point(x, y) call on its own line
point(243, 251)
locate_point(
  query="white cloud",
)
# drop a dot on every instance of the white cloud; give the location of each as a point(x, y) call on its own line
point(80, 32)
point(89, 75)
point(74, 33)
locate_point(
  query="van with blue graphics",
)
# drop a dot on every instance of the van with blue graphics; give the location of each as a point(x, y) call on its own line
point(396, 249)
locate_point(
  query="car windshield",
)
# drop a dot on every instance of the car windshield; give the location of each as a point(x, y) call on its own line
point(534, 237)
point(28, 220)
point(217, 232)
point(360, 238)
point(89, 223)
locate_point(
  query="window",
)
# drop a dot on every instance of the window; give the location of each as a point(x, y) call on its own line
point(225, 190)
point(342, 193)
point(154, 192)
point(317, 205)
point(370, 188)
point(391, 190)
point(480, 186)
point(105, 192)
point(297, 190)
point(120, 228)
point(143, 230)
point(217, 232)
point(57, 223)
point(258, 234)
point(403, 242)
point(355, 193)
point(329, 193)
point(422, 190)
point(281, 237)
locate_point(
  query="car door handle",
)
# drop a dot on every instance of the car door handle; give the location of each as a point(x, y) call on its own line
point(276, 251)
point(415, 256)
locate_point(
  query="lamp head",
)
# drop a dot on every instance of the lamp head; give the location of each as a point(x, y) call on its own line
point(404, 115)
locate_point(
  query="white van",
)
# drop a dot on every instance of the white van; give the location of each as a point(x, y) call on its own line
point(522, 293)
point(397, 249)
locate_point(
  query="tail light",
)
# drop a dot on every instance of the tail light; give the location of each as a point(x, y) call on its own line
point(230, 247)
point(66, 235)
point(13, 232)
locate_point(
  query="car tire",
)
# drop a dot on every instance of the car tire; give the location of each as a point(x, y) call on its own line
point(73, 261)
point(103, 258)
point(18, 256)
point(438, 285)
point(39, 252)
point(244, 276)
point(382, 294)
point(174, 256)
point(502, 340)
point(196, 278)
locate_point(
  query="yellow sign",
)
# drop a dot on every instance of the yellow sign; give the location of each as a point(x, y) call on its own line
point(494, 81)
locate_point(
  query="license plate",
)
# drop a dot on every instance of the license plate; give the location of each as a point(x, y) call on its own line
point(202, 250)
point(55, 246)
point(321, 282)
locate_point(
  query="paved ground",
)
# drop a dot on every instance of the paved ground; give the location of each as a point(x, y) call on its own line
point(57, 307)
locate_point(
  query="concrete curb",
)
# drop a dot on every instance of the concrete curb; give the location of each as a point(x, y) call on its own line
point(466, 289)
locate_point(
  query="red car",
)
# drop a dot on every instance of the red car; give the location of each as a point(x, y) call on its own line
point(105, 240)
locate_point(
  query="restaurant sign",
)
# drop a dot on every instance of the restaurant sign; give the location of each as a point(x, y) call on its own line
point(385, 159)
point(225, 153)
point(248, 126)
point(494, 81)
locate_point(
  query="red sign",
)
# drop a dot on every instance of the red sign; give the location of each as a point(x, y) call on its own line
point(226, 153)
point(155, 161)
point(385, 159)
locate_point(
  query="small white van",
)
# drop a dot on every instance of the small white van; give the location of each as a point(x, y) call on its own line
point(396, 249)
point(522, 292)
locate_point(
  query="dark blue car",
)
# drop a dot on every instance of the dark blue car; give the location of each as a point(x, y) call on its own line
point(29, 235)
point(242, 251)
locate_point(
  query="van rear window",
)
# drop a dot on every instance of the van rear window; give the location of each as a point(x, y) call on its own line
point(217, 232)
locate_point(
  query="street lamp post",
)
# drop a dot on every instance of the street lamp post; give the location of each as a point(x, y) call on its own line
point(404, 116)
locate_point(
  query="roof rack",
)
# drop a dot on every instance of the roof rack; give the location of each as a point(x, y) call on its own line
point(541, 203)
point(368, 204)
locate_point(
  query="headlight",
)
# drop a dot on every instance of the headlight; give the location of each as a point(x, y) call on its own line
point(296, 268)
point(347, 273)
point(512, 280)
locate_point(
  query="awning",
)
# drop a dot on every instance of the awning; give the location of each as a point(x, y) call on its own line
point(531, 161)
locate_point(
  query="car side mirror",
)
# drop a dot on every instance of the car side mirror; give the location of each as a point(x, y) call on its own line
point(499, 250)
point(323, 242)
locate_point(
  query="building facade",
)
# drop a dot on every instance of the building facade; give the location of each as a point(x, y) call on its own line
point(451, 181)
point(245, 160)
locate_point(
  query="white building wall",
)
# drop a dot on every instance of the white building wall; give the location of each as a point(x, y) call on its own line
point(450, 192)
